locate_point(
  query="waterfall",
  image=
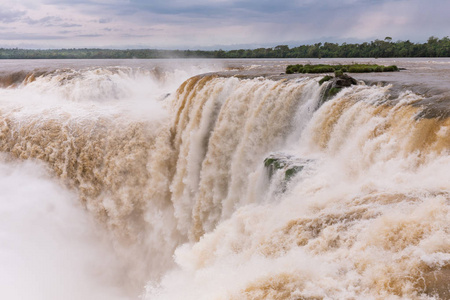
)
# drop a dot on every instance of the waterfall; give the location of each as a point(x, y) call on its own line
point(178, 185)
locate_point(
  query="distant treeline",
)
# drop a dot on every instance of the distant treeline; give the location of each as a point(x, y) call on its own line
point(434, 47)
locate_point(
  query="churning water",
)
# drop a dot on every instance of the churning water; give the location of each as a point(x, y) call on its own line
point(144, 179)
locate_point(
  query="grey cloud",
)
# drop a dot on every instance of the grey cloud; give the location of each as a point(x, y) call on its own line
point(262, 21)
point(46, 21)
point(67, 25)
point(242, 12)
point(50, 21)
point(13, 36)
point(236, 8)
point(89, 35)
point(9, 16)
point(128, 35)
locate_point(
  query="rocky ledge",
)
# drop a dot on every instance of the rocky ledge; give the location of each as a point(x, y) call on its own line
point(286, 163)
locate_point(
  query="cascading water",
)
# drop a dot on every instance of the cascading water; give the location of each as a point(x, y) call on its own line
point(218, 120)
point(366, 217)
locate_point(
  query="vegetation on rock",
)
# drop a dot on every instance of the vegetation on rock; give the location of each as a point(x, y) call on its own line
point(338, 73)
point(335, 85)
point(287, 164)
point(340, 69)
point(325, 78)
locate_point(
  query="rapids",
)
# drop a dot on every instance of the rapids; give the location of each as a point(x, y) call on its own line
point(155, 185)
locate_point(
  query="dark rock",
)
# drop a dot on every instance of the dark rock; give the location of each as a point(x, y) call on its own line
point(342, 81)
point(335, 85)
point(163, 97)
point(286, 163)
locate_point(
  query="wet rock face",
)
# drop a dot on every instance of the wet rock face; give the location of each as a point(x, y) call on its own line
point(342, 81)
point(335, 85)
point(288, 164)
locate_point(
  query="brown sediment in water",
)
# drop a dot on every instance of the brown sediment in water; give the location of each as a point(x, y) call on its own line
point(17, 78)
point(102, 158)
point(253, 108)
point(424, 134)
point(395, 269)
point(276, 287)
point(194, 171)
point(110, 161)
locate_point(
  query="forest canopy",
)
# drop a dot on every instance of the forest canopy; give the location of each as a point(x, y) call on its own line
point(434, 47)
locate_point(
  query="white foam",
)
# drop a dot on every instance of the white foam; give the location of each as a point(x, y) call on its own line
point(49, 247)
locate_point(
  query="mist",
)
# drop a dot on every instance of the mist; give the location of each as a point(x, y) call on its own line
point(49, 247)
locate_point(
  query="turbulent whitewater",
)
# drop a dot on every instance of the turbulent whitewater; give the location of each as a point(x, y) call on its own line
point(150, 182)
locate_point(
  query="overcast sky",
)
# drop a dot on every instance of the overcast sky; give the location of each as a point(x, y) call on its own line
point(214, 24)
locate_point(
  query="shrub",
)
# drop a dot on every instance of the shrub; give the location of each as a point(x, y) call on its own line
point(290, 70)
point(294, 69)
point(322, 69)
point(390, 69)
point(338, 73)
point(353, 68)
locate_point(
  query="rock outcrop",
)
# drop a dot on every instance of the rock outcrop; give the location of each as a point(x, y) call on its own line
point(288, 164)
point(335, 85)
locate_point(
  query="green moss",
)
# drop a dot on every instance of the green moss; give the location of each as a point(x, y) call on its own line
point(268, 161)
point(287, 164)
point(273, 162)
point(291, 172)
point(325, 78)
point(333, 91)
